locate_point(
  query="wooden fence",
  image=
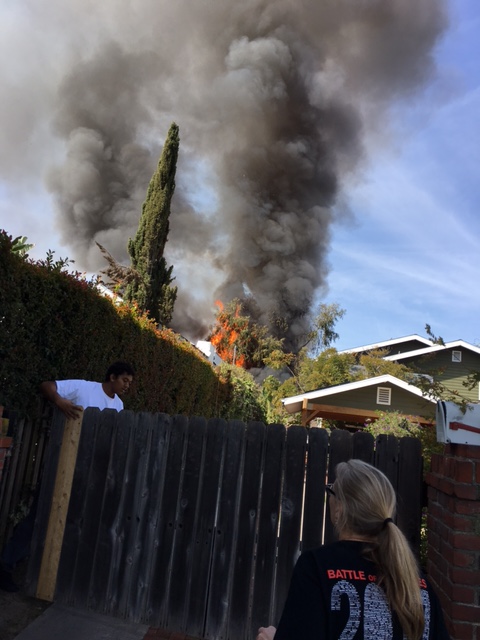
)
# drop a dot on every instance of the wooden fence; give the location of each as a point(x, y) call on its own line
point(23, 467)
point(194, 526)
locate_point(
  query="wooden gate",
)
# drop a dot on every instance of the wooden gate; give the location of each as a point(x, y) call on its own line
point(23, 467)
point(194, 526)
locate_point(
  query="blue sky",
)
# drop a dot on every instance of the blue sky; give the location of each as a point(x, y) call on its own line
point(409, 251)
point(413, 254)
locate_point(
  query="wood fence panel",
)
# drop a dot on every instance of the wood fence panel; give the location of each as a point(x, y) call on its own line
point(161, 578)
point(243, 557)
point(363, 446)
point(316, 474)
point(409, 491)
point(12, 479)
point(225, 532)
point(291, 512)
point(131, 587)
point(43, 504)
point(205, 533)
point(341, 450)
point(186, 523)
point(75, 513)
point(19, 487)
point(195, 526)
point(103, 593)
point(268, 521)
point(90, 482)
point(161, 433)
point(386, 457)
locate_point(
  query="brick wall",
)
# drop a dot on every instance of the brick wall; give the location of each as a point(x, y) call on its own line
point(454, 537)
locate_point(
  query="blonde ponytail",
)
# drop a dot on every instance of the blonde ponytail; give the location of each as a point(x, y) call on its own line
point(368, 506)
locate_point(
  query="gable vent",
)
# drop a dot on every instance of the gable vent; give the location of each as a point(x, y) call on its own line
point(384, 395)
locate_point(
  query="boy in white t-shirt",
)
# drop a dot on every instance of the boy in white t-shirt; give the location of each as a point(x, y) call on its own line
point(71, 395)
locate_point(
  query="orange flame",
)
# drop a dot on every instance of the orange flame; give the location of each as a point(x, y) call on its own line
point(224, 338)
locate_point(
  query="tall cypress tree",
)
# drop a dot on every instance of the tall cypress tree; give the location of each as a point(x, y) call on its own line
point(151, 288)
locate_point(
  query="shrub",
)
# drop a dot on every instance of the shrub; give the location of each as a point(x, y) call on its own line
point(56, 325)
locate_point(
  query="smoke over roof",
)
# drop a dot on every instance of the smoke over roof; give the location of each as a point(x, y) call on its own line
point(275, 101)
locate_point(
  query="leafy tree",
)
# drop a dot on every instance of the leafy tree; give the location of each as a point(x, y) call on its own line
point(323, 333)
point(245, 401)
point(21, 247)
point(151, 288)
point(238, 340)
point(146, 282)
point(329, 368)
point(435, 339)
point(373, 364)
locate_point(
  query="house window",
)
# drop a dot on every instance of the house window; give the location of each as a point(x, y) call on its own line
point(456, 356)
point(384, 395)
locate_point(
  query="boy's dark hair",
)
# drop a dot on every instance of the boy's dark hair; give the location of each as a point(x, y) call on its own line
point(117, 368)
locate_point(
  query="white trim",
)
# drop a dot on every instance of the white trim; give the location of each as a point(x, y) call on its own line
point(389, 343)
point(294, 403)
point(436, 347)
point(456, 355)
point(384, 395)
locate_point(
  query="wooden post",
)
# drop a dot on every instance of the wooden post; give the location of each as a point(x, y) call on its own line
point(47, 578)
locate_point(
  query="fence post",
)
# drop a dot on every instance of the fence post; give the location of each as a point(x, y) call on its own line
point(454, 537)
point(5, 444)
point(47, 578)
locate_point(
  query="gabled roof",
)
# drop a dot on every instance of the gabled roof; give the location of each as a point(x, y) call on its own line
point(390, 343)
point(455, 344)
point(293, 404)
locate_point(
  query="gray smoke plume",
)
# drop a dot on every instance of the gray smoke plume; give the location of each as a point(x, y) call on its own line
point(275, 100)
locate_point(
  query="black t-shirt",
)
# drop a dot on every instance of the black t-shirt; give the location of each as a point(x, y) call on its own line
point(334, 595)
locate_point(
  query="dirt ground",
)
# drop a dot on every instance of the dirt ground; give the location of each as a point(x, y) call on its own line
point(17, 611)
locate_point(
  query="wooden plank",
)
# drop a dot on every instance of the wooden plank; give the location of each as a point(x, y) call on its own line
point(162, 427)
point(291, 513)
point(410, 491)
point(363, 446)
point(103, 593)
point(74, 523)
point(186, 523)
point(90, 480)
point(10, 485)
point(341, 450)
point(158, 595)
point(44, 502)
point(56, 524)
point(198, 580)
point(386, 457)
point(333, 412)
point(221, 571)
point(131, 521)
point(269, 516)
point(314, 509)
point(244, 551)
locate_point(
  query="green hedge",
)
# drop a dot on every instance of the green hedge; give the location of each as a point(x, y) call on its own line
point(55, 325)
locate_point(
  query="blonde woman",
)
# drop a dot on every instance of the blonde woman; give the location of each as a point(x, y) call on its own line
point(367, 585)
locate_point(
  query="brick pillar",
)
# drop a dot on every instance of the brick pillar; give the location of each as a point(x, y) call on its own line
point(453, 562)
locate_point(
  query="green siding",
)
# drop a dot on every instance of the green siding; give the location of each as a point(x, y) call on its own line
point(452, 374)
point(366, 398)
